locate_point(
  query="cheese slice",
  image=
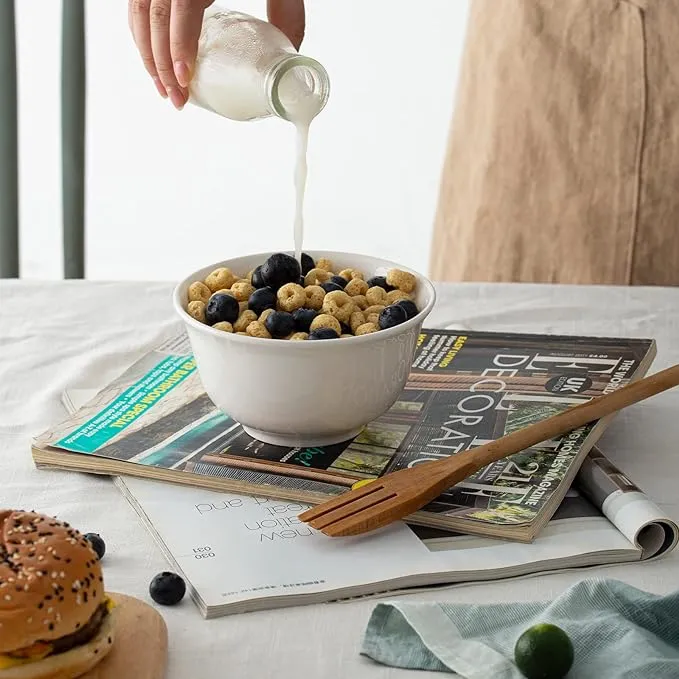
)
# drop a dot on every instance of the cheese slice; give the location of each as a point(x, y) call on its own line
point(6, 661)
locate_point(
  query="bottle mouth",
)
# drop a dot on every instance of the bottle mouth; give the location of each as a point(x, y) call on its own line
point(298, 84)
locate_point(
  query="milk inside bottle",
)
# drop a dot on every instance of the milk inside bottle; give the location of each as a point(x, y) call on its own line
point(247, 69)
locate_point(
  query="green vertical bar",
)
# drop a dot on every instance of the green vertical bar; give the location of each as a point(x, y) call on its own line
point(73, 136)
point(9, 166)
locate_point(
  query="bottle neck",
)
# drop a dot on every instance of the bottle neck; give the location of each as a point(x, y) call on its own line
point(297, 88)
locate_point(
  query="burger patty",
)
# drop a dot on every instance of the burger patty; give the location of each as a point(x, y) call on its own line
point(80, 637)
point(84, 634)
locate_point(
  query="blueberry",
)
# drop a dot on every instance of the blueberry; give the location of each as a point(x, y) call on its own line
point(262, 299)
point(307, 263)
point(329, 286)
point(280, 323)
point(391, 316)
point(323, 333)
point(379, 282)
point(167, 589)
point(98, 545)
point(257, 280)
point(302, 282)
point(410, 307)
point(346, 330)
point(280, 269)
point(221, 307)
point(303, 318)
point(338, 280)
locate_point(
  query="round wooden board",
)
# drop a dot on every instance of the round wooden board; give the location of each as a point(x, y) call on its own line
point(140, 646)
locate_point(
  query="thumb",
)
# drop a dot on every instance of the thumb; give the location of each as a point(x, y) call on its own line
point(289, 17)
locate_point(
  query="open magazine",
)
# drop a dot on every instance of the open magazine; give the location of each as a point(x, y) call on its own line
point(156, 421)
point(242, 553)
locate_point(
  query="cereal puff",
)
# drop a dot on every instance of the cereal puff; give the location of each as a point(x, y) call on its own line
point(356, 286)
point(246, 317)
point(291, 297)
point(297, 336)
point(258, 329)
point(199, 292)
point(376, 295)
point(394, 296)
point(366, 329)
point(350, 274)
point(316, 277)
point(242, 289)
point(401, 279)
point(360, 301)
point(326, 321)
point(224, 326)
point(265, 314)
point(220, 278)
point(338, 304)
point(324, 263)
point(357, 318)
point(197, 310)
point(314, 297)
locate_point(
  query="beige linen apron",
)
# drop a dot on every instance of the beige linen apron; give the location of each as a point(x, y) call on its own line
point(563, 158)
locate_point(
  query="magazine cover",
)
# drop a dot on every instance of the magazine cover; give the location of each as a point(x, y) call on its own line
point(464, 390)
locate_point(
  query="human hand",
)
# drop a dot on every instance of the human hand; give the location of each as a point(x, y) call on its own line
point(166, 33)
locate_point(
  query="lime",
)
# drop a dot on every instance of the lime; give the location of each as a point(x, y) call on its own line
point(544, 651)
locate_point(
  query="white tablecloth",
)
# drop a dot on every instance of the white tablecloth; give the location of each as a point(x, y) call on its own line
point(55, 336)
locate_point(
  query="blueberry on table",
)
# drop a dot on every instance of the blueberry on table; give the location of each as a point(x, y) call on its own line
point(409, 306)
point(221, 308)
point(338, 280)
point(391, 316)
point(329, 286)
point(307, 263)
point(167, 588)
point(280, 324)
point(303, 318)
point(257, 280)
point(261, 300)
point(322, 334)
point(98, 545)
point(379, 282)
point(280, 269)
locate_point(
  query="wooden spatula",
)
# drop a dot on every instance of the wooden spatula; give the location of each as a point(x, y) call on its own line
point(396, 495)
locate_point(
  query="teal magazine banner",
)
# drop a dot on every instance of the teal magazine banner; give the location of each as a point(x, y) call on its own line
point(130, 405)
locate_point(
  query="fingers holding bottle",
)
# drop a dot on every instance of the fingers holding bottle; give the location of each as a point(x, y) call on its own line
point(166, 33)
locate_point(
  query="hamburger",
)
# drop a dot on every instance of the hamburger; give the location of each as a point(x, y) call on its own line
point(56, 620)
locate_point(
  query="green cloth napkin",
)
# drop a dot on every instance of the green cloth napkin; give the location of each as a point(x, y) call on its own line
point(618, 632)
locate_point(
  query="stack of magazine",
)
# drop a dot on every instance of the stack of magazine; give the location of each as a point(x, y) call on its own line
point(229, 511)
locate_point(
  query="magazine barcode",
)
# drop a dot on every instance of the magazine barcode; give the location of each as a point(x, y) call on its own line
point(260, 478)
point(305, 584)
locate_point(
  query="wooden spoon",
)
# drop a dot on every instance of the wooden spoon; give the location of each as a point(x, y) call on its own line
point(396, 495)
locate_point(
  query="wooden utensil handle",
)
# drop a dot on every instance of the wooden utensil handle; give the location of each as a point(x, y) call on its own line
point(566, 421)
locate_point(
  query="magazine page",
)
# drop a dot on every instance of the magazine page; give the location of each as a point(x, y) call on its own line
point(241, 553)
point(464, 390)
point(639, 519)
point(239, 548)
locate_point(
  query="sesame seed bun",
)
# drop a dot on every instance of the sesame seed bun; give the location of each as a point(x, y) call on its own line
point(71, 664)
point(51, 582)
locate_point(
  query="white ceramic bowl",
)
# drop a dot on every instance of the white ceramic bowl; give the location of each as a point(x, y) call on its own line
point(309, 393)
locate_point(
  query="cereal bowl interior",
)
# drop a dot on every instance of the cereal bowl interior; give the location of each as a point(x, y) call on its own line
point(304, 393)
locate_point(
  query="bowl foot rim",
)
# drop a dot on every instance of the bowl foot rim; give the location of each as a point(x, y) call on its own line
point(302, 440)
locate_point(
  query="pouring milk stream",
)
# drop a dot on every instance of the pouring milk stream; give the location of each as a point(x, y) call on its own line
point(246, 69)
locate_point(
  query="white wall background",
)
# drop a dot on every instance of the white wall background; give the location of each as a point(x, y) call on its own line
point(168, 192)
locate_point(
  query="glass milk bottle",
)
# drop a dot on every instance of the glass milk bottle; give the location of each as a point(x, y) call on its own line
point(247, 69)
